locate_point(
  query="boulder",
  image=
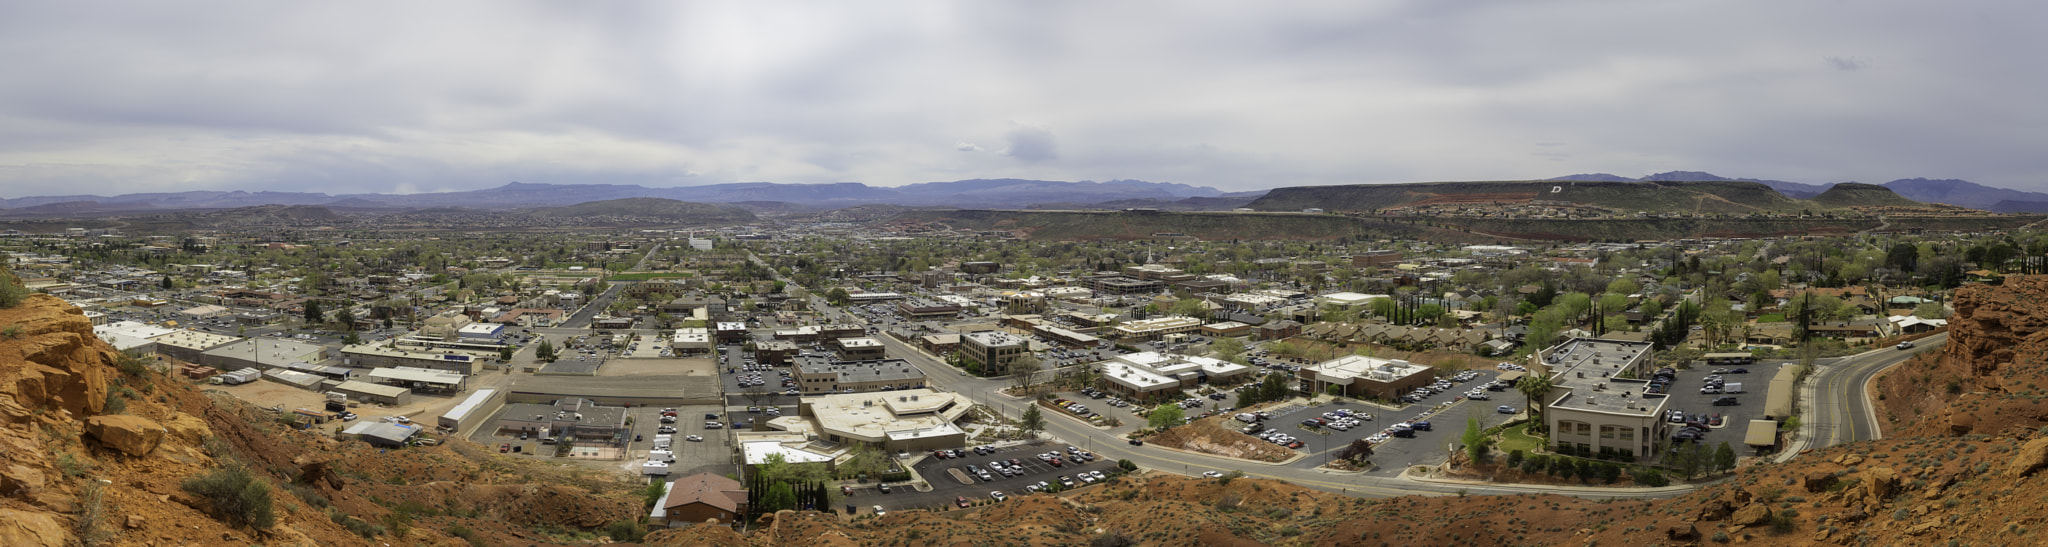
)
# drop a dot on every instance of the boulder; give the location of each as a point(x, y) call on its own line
point(188, 428)
point(1961, 424)
point(1883, 482)
point(2030, 457)
point(1750, 515)
point(27, 528)
point(1716, 510)
point(17, 477)
point(132, 435)
point(1849, 460)
point(1690, 533)
point(1819, 481)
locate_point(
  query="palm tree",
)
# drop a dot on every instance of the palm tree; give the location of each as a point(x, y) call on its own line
point(1534, 387)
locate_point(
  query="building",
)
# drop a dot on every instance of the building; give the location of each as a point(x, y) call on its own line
point(994, 350)
point(704, 497)
point(1154, 329)
point(1151, 374)
point(926, 307)
point(1364, 377)
point(191, 345)
point(131, 335)
point(1276, 330)
point(263, 354)
point(472, 411)
point(940, 344)
point(1375, 258)
point(1226, 329)
point(1066, 337)
point(859, 349)
point(820, 374)
point(896, 421)
point(466, 363)
point(730, 332)
point(775, 351)
point(691, 339)
point(380, 434)
point(979, 268)
point(1118, 284)
point(1594, 405)
point(419, 379)
point(374, 393)
point(1349, 301)
point(575, 418)
point(480, 331)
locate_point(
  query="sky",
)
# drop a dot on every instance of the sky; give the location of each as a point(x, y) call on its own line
point(405, 97)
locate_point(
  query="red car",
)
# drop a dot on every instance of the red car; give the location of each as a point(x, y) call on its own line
point(962, 501)
point(1055, 462)
point(507, 447)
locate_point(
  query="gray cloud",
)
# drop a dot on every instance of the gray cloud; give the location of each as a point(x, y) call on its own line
point(394, 96)
point(1031, 144)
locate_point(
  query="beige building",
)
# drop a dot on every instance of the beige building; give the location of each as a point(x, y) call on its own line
point(1361, 376)
point(1592, 406)
point(1151, 374)
point(897, 421)
point(820, 374)
point(1153, 329)
point(994, 350)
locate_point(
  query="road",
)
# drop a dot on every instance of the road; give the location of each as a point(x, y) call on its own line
point(1842, 412)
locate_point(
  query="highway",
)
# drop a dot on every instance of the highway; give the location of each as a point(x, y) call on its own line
point(1841, 409)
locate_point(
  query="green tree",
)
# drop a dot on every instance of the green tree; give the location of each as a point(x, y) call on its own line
point(545, 351)
point(1228, 349)
point(1931, 310)
point(352, 338)
point(1475, 440)
point(1534, 387)
point(313, 314)
point(838, 297)
point(780, 496)
point(504, 352)
point(1724, 458)
point(1033, 421)
point(1165, 416)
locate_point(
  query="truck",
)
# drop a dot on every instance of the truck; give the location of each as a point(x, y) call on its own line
point(1732, 387)
point(337, 402)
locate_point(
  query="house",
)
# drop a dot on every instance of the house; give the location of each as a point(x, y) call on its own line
point(704, 497)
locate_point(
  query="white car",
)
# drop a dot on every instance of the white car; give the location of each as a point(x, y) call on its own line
point(1212, 474)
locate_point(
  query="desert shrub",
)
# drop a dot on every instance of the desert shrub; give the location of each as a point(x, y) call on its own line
point(1649, 477)
point(1227, 477)
point(71, 466)
point(355, 525)
point(11, 295)
point(626, 531)
point(11, 331)
point(92, 515)
point(309, 495)
point(236, 495)
point(1515, 457)
point(115, 403)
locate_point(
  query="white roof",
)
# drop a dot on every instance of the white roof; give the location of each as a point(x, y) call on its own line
point(481, 328)
point(469, 405)
point(409, 374)
point(373, 389)
point(757, 453)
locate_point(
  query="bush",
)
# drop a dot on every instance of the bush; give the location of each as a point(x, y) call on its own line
point(116, 404)
point(93, 529)
point(626, 531)
point(1515, 457)
point(236, 495)
point(1649, 477)
point(11, 295)
point(1127, 465)
point(360, 528)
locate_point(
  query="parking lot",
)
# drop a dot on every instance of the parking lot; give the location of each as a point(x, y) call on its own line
point(733, 372)
point(945, 487)
point(1391, 453)
point(1685, 397)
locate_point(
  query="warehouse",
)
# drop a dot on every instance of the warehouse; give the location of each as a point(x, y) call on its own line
point(418, 379)
point(472, 411)
point(375, 393)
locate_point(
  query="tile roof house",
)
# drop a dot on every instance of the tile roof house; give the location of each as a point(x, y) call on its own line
point(700, 498)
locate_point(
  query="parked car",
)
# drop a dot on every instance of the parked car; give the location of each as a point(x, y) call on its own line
point(1504, 409)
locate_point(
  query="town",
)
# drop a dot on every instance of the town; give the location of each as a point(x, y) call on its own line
point(936, 368)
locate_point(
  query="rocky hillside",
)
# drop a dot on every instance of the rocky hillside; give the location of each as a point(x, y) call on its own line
point(102, 449)
point(1991, 377)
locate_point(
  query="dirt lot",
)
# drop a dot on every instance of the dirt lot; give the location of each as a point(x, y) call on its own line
point(656, 367)
point(1208, 437)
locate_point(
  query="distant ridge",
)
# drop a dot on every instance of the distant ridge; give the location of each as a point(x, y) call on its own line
point(681, 212)
point(1797, 190)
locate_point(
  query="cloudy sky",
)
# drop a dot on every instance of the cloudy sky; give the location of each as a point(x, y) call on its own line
point(115, 97)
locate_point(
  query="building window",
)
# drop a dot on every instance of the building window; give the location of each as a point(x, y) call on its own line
point(1627, 433)
point(1607, 432)
point(1585, 428)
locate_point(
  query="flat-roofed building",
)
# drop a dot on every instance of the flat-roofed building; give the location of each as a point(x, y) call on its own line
point(380, 434)
point(1591, 406)
point(1151, 375)
point(926, 307)
point(775, 351)
point(480, 331)
point(378, 355)
point(1227, 329)
point(191, 345)
point(131, 335)
point(375, 393)
point(941, 343)
point(730, 332)
point(994, 350)
point(820, 374)
point(1364, 377)
point(1155, 328)
point(1067, 337)
point(691, 339)
point(419, 379)
point(858, 349)
point(574, 418)
point(896, 421)
point(263, 354)
point(473, 410)
point(1375, 258)
point(1117, 284)
point(1350, 301)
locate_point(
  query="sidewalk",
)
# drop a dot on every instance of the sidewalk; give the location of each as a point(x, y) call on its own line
point(1409, 475)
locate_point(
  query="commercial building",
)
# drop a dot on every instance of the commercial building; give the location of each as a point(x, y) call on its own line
point(858, 349)
point(730, 332)
point(1227, 329)
point(380, 434)
point(467, 363)
point(994, 350)
point(574, 418)
point(896, 421)
point(1364, 377)
point(374, 393)
point(1118, 284)
point(263, 354)
point(137, 336)
point(1349, 301)
point(775, 351)
point(191, 345)
point(1154, 329)
point(419, 379)
point(926, 307)
point(1593, 407)
point(471, 411)
point(820, 374)
point(480, 331)
point(691, 339)
point(1066, 337)
point(1149, 375)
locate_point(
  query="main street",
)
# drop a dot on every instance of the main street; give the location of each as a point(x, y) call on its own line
point(1841, 409)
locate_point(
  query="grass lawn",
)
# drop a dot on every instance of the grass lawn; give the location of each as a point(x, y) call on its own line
point(1771, 318)
point(1518, 437)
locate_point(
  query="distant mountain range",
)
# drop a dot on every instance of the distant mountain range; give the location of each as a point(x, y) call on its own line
point(1956, 192)
point(988, 193)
